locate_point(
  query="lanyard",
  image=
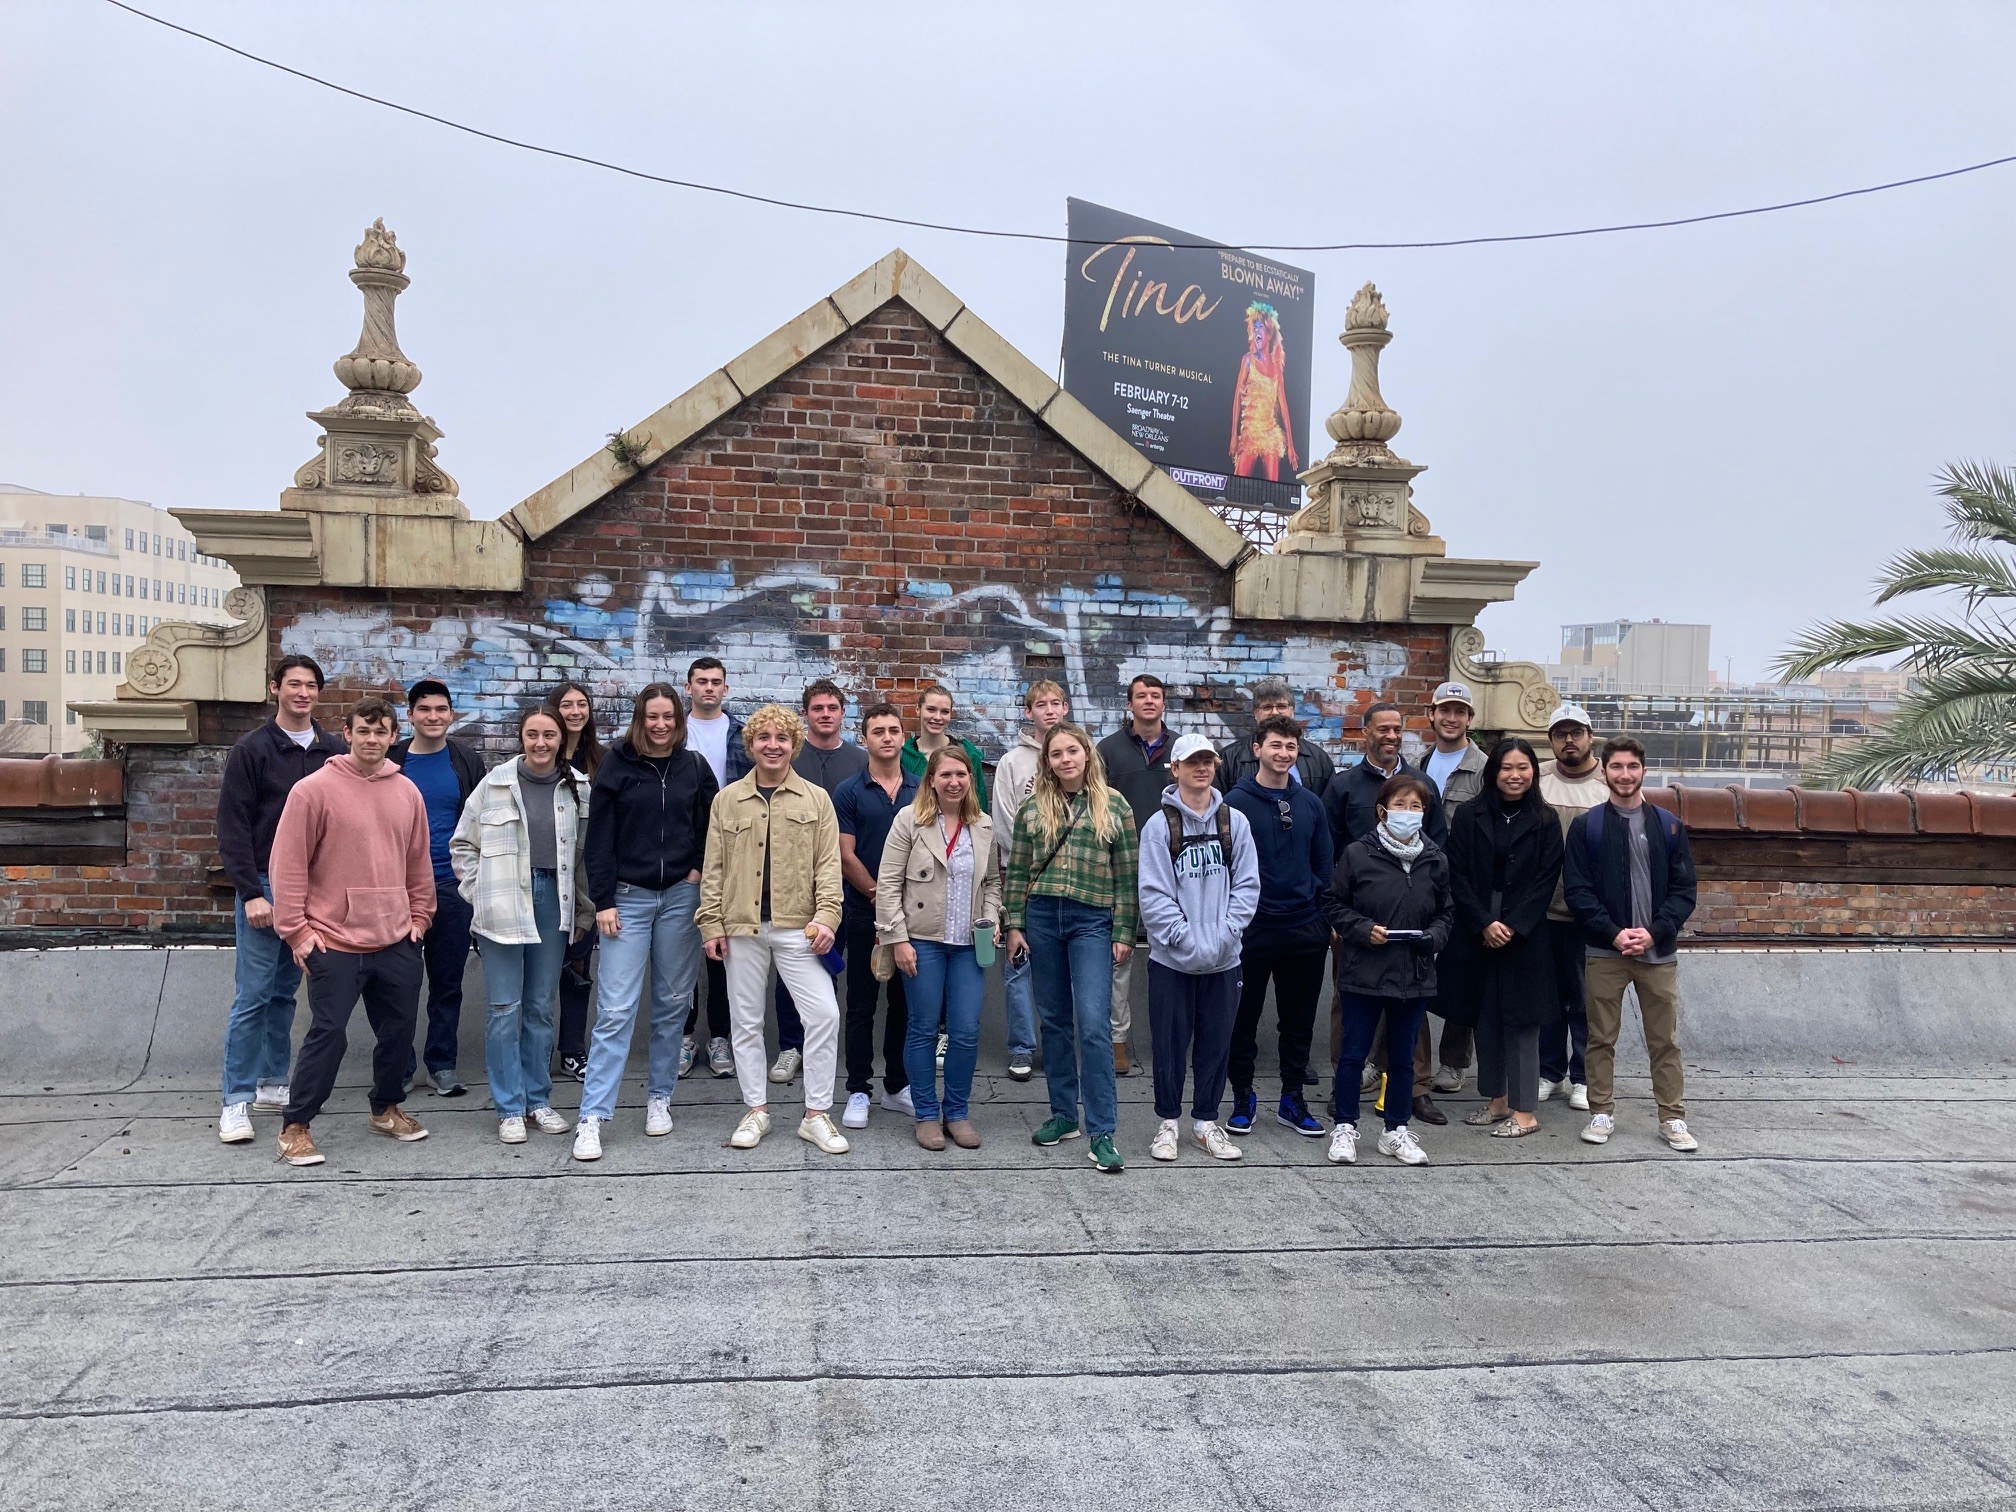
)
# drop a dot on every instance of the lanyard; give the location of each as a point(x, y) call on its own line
point(951, 841)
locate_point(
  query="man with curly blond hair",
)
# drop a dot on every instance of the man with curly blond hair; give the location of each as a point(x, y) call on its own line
point(770, 899)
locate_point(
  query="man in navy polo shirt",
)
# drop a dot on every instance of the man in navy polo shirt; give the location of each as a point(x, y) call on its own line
point(867, 804)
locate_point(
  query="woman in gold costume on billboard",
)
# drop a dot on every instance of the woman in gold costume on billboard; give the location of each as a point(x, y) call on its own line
point(1261, 429)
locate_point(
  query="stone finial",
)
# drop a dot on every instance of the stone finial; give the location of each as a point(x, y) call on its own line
point(380, 252)
point(377, 373)
point(1365, 423)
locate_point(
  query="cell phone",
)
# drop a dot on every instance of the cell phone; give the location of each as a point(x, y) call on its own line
point(1406, 934)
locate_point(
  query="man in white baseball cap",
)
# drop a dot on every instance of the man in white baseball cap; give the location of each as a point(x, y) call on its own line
point(1573, 784)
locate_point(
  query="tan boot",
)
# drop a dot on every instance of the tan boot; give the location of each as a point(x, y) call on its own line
point(1122, 1066)
point(297, 1148)
point(396, 1122)
point(930, 1135)
point(963, 1134)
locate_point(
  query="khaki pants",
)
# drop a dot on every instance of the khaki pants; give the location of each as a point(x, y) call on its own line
point(1123, 994)
point(1604, 981)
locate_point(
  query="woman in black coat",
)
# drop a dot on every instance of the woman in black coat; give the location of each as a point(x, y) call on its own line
point(1504, 860)
point(1389, 903)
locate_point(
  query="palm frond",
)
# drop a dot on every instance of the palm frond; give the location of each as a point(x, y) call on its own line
point(1981, 575)
point(1981, 501)
point(1931, 643)
point(1921, 745)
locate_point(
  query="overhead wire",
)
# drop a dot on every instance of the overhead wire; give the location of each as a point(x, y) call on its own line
point(1003, 234)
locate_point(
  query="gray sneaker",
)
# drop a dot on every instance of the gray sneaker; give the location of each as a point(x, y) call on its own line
point(447, 1083)
point(720, 1057)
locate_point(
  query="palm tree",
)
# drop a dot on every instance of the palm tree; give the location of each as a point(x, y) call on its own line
point(1961, 707)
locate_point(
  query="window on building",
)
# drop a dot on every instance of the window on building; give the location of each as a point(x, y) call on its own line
point(69, 716)
point(181, 593)
point(101, 663)
point(3, 616)
point(35, 619)
point(3, 706)
point(34, 575)
point(70, 662)
point(129, 538)
point(101, 624)
point(3, 668)
point(181, 551)
point(95, 532)
point(34, 711)
point(129, 585)
point(129, 626)
point(3, 574)
point(157, 545)
point(101, 582)
point(115, 661)
point(34, 661)
point(70, 578)
point(69, 621)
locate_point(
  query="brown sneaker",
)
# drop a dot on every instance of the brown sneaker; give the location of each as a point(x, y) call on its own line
point(296, 1148)
point(930, 1135)
point(1122, 1066)
point(398, 1123)
point(962, 1133)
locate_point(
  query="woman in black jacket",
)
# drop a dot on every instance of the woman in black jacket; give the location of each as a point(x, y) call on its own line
point(582, 750)
point(1504, 860)
point(1389, 902)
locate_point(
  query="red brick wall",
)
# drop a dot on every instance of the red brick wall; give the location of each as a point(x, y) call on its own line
point(1789, 911)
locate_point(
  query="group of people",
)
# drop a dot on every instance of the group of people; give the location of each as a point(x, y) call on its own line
point(1511, 897)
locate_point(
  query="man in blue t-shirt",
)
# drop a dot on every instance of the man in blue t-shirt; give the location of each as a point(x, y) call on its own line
point(867, 804)
point(446, 772)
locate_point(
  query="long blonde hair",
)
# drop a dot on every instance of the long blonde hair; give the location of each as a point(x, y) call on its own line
point(925, 806)
point(1053, 804)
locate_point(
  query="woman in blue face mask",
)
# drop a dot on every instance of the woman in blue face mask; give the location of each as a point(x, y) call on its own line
point(1504, 859)
point(1390, 903)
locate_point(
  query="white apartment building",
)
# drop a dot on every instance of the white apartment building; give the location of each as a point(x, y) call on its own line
point(82, 581)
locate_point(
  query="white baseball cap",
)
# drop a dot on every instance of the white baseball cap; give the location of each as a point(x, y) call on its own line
point(1453, 692)
point(1570, 713)
point(1191, 745)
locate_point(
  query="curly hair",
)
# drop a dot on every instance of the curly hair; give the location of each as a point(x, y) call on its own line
point(774, 716)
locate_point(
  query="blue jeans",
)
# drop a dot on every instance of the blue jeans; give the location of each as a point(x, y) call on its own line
point(259, 1037)
point(658, 934)
point(1361, 1021)
point(1071, 964)
point(1021, 1007)
point(521, 983)
point(949, 979)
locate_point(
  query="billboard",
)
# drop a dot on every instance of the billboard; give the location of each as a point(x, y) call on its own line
point(1197, 353)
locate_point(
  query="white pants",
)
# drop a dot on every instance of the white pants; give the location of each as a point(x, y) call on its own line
point(749, 963)
point(1123, 995)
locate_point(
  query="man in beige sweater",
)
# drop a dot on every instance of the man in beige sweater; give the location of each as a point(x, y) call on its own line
point(1572, 783)
point(353, 894)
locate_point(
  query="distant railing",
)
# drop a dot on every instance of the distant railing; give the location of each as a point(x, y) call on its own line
point(56, 540)
point(1687, 732)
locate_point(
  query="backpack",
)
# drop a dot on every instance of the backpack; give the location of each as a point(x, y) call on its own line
point(1180, 842)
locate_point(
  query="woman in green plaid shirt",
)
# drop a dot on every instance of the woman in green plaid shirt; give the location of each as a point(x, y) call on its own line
point(1070, 906)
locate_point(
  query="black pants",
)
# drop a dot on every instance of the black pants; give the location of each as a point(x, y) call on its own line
point(389, 982)
point(577, 990)
point(1508, 1062)
point(1364, 1017)
point(1564, 1046)
point(1292, 959)
point(1191, 1019)
point(445, 951)
point(717, 1001)
point(858, 944)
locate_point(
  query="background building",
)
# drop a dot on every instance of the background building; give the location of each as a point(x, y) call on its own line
point(82, 581)
point(1626, 656)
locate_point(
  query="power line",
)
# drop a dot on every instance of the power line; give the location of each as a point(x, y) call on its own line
point(1044, 236)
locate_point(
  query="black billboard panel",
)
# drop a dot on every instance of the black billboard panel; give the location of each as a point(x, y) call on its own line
point(1197, 353)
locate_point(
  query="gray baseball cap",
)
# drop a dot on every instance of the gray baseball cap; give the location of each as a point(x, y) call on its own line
point(1453, 692)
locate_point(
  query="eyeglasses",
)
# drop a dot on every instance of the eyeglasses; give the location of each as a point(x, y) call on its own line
point(1287, 812)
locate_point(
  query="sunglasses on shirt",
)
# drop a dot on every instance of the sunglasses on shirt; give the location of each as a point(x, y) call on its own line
point(1287, 812)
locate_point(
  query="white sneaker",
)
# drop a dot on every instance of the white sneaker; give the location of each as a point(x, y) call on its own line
point(786, 1067)
point(1217, 1143)
point(1549, 1088)
point(1344, 1144)
point(271, 1097)
point(942, 1042)
point(817, 1129)
point(547, 1121)
point(685, 1053)
point(1448, 1079)
point(1674, 1132)
point(1402, 1146)
point(588, 1140)
point(720, 1057)
point(1599, 1129)
point(234, 1124)
point(1163, 1145)
point(856, 1116)
point(658, 1116)
point(749, 1133)
point(1578, 1096)
point(1368, 1079)
point(898, 1102)
point(511, 1130)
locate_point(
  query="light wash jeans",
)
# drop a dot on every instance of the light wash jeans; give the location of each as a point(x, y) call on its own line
point(259, 1037)
point(520, 983)
point(1021, 996)
point(948, 978)
point(657, 934)
point(1071, 955)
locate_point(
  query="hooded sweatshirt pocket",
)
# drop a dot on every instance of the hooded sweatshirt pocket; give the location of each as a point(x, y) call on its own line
point(376, 913)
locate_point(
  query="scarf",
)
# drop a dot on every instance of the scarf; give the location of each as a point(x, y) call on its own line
point(1406, 854)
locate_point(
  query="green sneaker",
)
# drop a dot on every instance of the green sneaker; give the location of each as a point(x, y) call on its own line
point(1105, 1156)
point(1055, 1129)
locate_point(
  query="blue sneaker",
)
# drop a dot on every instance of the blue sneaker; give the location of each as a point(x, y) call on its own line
point(1296, 1115)
point(1244, 1107)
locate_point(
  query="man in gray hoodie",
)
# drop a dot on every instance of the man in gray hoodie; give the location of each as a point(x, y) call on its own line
point(1014, 783)
point(1200, 886)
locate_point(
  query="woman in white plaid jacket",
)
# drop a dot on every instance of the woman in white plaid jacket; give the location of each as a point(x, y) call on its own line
point(518, 860)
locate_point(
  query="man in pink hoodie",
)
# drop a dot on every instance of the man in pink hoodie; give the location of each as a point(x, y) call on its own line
point(353, 894)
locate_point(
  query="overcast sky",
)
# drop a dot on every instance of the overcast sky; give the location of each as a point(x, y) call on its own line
point(1732, 423)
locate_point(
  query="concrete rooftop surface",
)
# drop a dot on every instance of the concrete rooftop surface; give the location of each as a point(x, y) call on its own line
point(1816, 1310)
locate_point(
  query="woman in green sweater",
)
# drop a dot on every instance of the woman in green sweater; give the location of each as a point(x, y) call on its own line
point(1070, 906)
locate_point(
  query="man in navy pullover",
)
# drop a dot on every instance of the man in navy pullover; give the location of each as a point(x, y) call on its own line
point(1289, 938)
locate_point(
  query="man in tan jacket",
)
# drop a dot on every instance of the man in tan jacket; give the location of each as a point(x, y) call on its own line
point(770, 898)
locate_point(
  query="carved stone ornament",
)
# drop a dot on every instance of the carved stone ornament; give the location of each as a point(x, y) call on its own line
point(1365, 423)
point(178, 654)
point(368, 463)
point(1511, 696)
